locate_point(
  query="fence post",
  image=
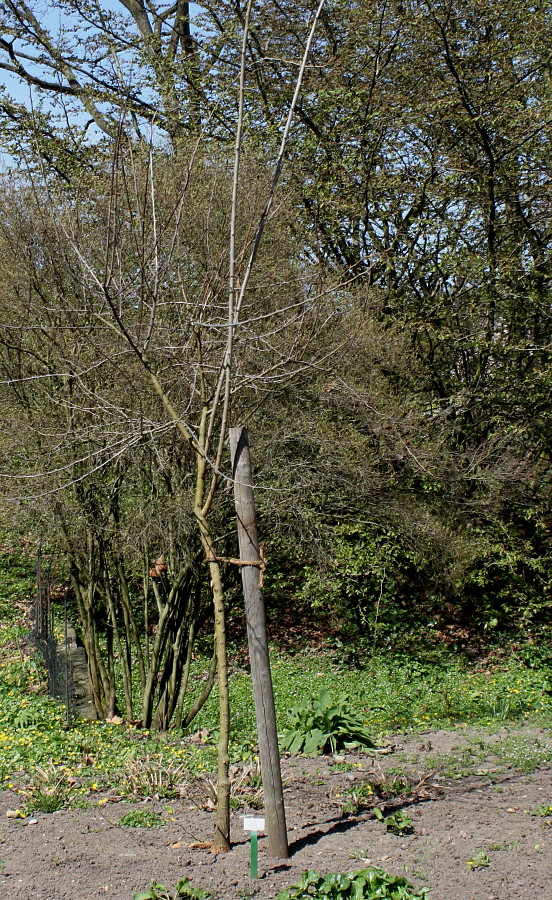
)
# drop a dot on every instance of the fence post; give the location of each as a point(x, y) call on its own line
point(261, 677)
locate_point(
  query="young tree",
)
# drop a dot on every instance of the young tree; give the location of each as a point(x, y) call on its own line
point(162, 307)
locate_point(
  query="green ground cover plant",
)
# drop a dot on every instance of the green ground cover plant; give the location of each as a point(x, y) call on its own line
point(366, 794)
point(400, 694)
point(48, 789)
point(543, 811)
point(479, 860)
point(366, 884)
point(33, 729)
point(398, 822)
point(517, 751)
point(141, 818)
point(343, 767)
point(182, 889)
point(86, 758)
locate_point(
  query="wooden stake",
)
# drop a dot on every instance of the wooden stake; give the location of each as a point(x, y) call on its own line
point(265, 714)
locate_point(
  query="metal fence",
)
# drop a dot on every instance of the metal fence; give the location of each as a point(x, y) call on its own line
point(53, 647)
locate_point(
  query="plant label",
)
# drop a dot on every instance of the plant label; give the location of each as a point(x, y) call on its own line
point(253, 823)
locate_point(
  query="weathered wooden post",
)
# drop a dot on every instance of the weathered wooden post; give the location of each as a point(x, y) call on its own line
point(258, 644)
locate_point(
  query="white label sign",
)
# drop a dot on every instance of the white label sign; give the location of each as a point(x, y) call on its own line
point(253, 823)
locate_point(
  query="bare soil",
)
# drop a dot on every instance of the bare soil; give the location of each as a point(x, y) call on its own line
point(85, 853)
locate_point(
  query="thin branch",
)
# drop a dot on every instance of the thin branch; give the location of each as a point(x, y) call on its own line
point(264, 216)
point(227, 364)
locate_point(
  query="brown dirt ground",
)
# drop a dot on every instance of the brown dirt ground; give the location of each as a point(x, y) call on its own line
point(84, 853)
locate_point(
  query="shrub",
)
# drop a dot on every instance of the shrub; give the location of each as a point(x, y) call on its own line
point(319, 726)
point(366, 884)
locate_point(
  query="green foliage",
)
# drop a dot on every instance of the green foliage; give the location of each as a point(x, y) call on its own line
point(358, 797)
point(47, 803)
point(26, 717)
point(433, 690)
point(544, 811)
point(495, 576)
point(362, 574)
point(367, 884)
point(183, 888)
point(398, 823)
point(319, 725)
point(141, 818)
point(479, 860)
point(50, 788)
point(140, 763)
point(343, 767)
point(34, 738)
point(246, 786)
point(519, 752)
point(363, 795)
point(506, 578)
point(17, 583)
point(392, 784)
point(443, 256)
point(437, 692)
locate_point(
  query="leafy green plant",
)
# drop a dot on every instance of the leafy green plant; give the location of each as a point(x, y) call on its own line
point(362, 796)
point(520, 752)
point(320, 725)
point(479, 860)
point(247, 892)
point(544, 811)
point(343, 767)
point(398, 823)
point(366, 884)
point(508, 577)
point(358, 797)
point(183, 888)
point(34, 733)
point(25, 717)
point(141, 818)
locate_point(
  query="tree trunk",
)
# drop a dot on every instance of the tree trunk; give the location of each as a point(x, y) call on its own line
point(221, 840)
